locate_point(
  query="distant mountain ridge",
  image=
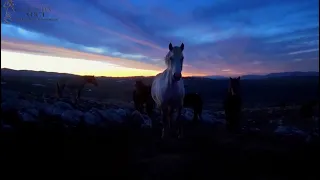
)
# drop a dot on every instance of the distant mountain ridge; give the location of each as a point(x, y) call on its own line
point(272, 75)
point(11, 72)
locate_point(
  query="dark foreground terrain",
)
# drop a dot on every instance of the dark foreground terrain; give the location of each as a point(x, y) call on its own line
point(102, 135)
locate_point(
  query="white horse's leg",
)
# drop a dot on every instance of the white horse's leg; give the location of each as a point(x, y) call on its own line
point(165, 118)
point(179, 123)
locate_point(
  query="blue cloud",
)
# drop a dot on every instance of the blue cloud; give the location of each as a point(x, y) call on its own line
point(229, 34)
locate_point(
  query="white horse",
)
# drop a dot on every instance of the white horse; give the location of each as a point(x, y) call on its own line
point(168, 89)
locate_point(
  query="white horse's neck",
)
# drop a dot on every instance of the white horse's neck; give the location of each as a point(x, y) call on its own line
point(168, 76)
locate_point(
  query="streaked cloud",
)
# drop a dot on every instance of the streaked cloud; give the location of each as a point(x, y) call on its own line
point(297, 60)
point(304, 51)
point(243, 36)
point(256, 62)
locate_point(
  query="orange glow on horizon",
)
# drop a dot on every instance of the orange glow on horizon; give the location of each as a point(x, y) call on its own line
point(26, 61)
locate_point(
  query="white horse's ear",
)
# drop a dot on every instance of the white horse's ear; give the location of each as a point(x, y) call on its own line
point(170, 47)
point(182, 46)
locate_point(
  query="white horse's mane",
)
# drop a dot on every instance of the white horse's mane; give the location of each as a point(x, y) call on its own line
point(170, 53)
point(167, 58)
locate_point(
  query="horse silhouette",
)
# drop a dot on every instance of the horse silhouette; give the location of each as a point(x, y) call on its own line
point(142, 97)
point(308, 112)
point(307, 109)
point(167, 89)
point(75, 84)
point(194, 101)
point(233, 105)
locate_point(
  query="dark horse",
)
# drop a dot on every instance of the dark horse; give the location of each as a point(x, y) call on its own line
point(75, 84)
point(194, 101)
point(142, 96)
point(232, 105)
point(308, 111)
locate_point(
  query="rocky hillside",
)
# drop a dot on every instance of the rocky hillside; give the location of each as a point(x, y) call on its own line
point(112, 139)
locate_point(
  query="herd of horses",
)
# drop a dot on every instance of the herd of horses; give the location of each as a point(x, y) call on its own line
point(144, 103)
point(167, 93)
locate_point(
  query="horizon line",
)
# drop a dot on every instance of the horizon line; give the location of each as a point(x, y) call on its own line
point(207, 76)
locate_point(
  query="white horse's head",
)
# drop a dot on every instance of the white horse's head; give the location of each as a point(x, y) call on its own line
point(174, 61)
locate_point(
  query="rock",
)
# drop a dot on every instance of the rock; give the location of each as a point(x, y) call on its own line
point(188, 114)
point(113, 116)
point(57, 108)
point(34, 112)
point(136, 118)
point(63, 105)
point(5, 127)
point(99, 113)
point(15, 110)
point(39, 85)
point(312, 137)
point(141, 120)
point(72, 116)
point(147, 122)
point(25, 104)
point(221, 113)
point(27, 117)
point(41, 106)
point(288, 131)
point(9, 95)
point(92, 119)
point(254, 129)
point(7, 106)
point(211, 118)
point(123, 113)
point(16, 104)
point(52, 111)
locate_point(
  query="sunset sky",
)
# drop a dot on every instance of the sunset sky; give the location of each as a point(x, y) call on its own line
point(131, 37)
